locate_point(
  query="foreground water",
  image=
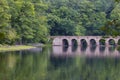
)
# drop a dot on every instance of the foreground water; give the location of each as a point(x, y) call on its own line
point(58, 63)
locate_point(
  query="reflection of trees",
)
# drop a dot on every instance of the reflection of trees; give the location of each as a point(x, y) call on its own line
point(87, 69)
point(66, 71)
point(102, 69)
point(32, 67)
point(28, 66)
point(3, 68)
point(39, 66)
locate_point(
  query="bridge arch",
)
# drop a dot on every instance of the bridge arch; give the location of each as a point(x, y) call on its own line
point(102, 42)
point(93, 42)
point(111, 42)
point(65, 42)
point(57, 41)
point(74, 42)
point(83, 42)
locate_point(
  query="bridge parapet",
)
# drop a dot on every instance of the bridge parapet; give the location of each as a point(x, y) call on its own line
point(58, 40)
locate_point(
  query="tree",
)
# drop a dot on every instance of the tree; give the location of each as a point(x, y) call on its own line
point(112, 27)
point(7, 34)
point(65, 21)
point(27, 21)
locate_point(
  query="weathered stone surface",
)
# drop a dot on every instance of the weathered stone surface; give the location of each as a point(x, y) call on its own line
point(58, 40)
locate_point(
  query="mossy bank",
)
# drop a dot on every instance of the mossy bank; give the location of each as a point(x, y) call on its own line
point(15, 48)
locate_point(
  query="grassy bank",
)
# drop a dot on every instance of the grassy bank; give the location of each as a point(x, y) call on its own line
point(15, 48)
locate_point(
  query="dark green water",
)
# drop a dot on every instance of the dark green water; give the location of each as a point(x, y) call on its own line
point(53, 64)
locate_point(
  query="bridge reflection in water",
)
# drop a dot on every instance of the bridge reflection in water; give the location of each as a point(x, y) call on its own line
point(94, 51)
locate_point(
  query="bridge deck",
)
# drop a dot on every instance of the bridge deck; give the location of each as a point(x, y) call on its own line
point(58, 40)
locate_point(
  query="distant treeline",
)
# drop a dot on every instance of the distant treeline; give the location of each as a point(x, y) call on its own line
point(32, 21)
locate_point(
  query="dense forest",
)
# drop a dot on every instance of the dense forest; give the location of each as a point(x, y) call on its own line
point(32, 21)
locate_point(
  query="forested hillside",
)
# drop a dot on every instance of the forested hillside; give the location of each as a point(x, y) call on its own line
point(31, 21)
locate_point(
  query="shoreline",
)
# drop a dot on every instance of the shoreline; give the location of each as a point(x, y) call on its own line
point(15, 48)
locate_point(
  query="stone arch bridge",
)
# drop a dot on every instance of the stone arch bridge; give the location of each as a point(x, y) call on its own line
point(59, 40)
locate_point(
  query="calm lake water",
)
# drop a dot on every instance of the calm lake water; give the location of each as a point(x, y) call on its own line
point(58, 63)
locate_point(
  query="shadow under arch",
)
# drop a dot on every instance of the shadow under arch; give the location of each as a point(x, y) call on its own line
point(93, 42)
point(111, 42)
point(65, 42)
point(102, 49)
point(83, 45)
point(83, 48)
point(74, 42)
point(93, 48)
point(118, 43)
point(111, 49)
point(65, 48)
point(83, 42)
point(74, 45)
point(102, 42)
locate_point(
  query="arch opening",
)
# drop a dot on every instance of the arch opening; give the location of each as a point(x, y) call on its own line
point(111, 42)
point(92, 42)
point(118, 43)
point(74, 45)
point(74, 42)
point(65, 42)
point(83, 42)
point(102, 42)
point(74, 48)
point(65, 48)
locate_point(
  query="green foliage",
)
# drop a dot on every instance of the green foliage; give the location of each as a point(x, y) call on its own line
point(117, 0)
point(32, 21)
point(87, 16)
point(4, 20)
point(25, 16)
point(111, 28)
point(29, 25)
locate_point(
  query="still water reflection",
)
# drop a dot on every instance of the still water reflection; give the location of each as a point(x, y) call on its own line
point(93, 51)
point(58, 63)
